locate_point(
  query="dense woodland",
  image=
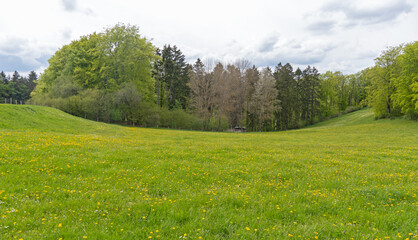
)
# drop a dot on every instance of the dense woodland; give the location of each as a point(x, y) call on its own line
point(119, 76)
point(17, 88)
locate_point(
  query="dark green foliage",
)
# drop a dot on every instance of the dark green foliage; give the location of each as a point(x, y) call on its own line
point(287, 117)
point(172, 76)
point(119, 76)
point(17, 88)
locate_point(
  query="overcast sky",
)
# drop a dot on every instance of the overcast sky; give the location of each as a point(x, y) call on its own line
point(334, 35)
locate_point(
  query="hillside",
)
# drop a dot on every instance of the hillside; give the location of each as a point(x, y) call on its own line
point(71, 178)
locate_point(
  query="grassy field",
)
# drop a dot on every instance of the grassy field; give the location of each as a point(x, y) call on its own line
point(70, 178)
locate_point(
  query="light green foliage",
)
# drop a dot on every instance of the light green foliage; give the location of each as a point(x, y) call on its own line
point(406, 94)
point(88, 62)
point(329, 94)
point(66, 177)
point(394, 82)
point(382, 88)
point(129, 58)
point(93, 76)
point(342, 93)
point(103, 61)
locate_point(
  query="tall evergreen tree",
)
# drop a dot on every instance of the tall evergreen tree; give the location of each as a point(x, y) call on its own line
point(309, 91)
point(32, 78)
point(287, 96)
point(175, 77)
point(157, 74)
point(3, 78)
point(4, 91)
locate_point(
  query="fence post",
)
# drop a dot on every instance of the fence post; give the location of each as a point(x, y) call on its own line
point(11, 101)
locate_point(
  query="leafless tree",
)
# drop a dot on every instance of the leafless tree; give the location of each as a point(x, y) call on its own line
point(202, 91)
point(264, 100)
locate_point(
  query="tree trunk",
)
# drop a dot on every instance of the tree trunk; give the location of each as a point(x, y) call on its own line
point(219, 120)
point(241, 117)
point(166, 98)
point(158, 94)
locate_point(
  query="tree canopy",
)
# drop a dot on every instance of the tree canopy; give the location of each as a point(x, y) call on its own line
point(119, 76)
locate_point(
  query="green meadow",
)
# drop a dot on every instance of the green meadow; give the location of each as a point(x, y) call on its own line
point(63, 177)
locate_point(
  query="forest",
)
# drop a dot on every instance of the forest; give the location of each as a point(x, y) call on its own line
point(16, 89)
point(118, 76)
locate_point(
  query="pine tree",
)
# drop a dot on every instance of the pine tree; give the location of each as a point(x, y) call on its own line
point(175, 77)
point(309, 91)
point(287, 96)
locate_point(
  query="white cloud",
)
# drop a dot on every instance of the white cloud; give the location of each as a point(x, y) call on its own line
point(329, 34)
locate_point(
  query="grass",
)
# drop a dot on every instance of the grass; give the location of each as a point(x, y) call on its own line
point(70, 178)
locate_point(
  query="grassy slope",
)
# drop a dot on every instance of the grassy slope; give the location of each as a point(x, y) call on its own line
point(65, 177)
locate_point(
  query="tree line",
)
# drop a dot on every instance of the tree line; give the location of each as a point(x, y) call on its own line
point(393, 89)
point(119, 76)
point(16, 87)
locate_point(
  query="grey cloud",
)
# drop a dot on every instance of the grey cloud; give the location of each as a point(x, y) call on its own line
point(66, 34)
point(294, 58)
point(43, 59)
point(321, 26)
point(13, 46)
point(375, 15)
point(380, 15)
point(70, 5)
point(306, 59)
point(268, 44)
point(10, 63)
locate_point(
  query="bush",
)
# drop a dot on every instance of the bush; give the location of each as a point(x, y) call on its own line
point(352, 109)
point(180, 119)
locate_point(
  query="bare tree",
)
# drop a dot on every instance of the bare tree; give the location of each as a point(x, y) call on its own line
point(220, 91)
point(252, 76)
point(233, 107)
point(201, 85)
point(242, 65)
point(265, 97)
